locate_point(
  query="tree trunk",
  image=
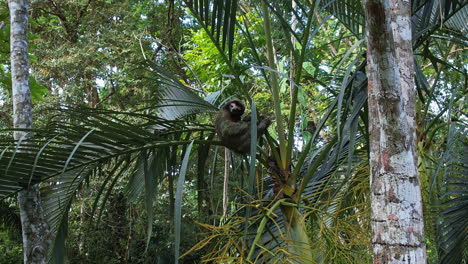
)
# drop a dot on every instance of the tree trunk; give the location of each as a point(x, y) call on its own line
point(300, 247)
point(36, 234)
point(397, 221)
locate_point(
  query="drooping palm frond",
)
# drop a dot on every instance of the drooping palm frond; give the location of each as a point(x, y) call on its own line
point(178, 202)
point(80, 142)
point(57, 196)
point(348, 109)
point(458, 21)
point(86, 138)
point(176, 99)
point(428, 15)
point(432, 15)
point(349, 12)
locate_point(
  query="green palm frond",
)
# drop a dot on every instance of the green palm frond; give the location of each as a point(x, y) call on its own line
point(428, 15)
point(85, 138)
point(57, 196)
point(326, 174)
point(452, 224)
point(84, 142)
point(218, 18)
point(349, 12)
point(176, 99)
point(311, 165)
point(458, 20)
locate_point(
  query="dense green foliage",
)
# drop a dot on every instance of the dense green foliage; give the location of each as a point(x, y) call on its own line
point(121, 88)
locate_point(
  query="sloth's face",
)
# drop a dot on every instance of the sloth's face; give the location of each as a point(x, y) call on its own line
point(236, 109)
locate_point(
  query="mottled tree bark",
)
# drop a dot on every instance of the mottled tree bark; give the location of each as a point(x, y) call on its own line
point(397, 221)
point(35, 230)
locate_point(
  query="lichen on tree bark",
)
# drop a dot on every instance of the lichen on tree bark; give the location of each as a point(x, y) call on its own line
point(397, 222)
point(36, 233)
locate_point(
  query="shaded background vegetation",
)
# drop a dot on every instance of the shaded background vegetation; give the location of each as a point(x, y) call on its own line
point(117, 58)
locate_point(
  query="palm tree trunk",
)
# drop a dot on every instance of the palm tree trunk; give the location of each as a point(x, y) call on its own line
point(397, 221)
point(36, 233)
point(299, 242)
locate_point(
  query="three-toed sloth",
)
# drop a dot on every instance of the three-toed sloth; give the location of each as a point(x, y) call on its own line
point(234, 131)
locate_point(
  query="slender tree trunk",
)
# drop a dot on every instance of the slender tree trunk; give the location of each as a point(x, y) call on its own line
point(397, 221)
point(36, 233)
